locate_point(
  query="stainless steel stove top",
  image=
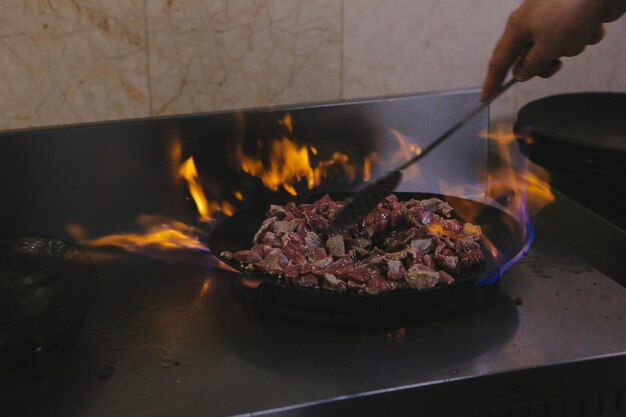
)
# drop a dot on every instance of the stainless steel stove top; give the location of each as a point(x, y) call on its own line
point(168, 338)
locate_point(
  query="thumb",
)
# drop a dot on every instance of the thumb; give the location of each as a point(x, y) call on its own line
point(535, 61)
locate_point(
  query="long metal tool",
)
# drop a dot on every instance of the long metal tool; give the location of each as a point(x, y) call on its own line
point(365, 200)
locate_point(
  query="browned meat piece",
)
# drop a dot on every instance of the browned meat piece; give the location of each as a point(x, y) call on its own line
point(399, 239)
point(420, 276)
point(331, 282)
point(246, 256)
point(291, 272)
point(325, 204)
point(353, 285)
point(316, 222)
point(344, 262)
point(468, 251)
point(448, 263)
point(279, 212)
point(395, 270)
point(322, 263)
point(399, 214)
point(295, 257)
point(437, 205)
point(315, 254)
point(422, 246)
point(427, 260)
point(261, 249)
point(266, 226)
point(273, 263)
point(281, 227)
point(270, 239)
point(428, 217)
point(312, 240)
point(361, 273)
point(378, 285)
point(397, 256)
point(378, 219)
point(361, 245)
point(336, 246)
point(307, 281)
point(444, 278)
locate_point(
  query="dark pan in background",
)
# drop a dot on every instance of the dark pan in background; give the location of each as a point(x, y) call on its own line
point(46, 288)
point(581, 140)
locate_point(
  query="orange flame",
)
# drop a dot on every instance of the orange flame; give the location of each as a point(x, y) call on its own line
point(291, 163)
point(206, 208)
point(161, 234)
point(527, 187)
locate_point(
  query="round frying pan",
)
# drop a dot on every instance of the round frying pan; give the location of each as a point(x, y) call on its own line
point(578, 134)
point(46, 287)
point(581, 140)
point(502, 231)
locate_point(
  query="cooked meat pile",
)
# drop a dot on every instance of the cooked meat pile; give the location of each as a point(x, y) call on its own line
point(412, 244)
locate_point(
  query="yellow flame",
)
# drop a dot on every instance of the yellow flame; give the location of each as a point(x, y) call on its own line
point(527, 188)
point(238, 195)
point(160, 233)
point(206, 208)
point(407, 149)
point(367, 169)
point(290, 163)
point(287, 121)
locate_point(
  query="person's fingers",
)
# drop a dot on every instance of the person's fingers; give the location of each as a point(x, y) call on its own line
point(552, 69)
point(597, 36)
point(536, 60)
point(507, 50)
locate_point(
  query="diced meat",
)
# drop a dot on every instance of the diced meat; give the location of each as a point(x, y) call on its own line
point(395, 270)
point(307, 281)
point(437, 205)
point(266, 226)
point(444, 278)
point(312, 240)
point(281, 227)
point(315, 254)
point(273, 263)
point(291, 272)
point(469, 251)
point(279, 212)
point(336, 246)
point(378, 285)
point(378, 219)
point(398, 245)
point(420, 276)
point(422, 246)
point(246, 256)
point(331, 282)
point(261, 249)
point(295, 257)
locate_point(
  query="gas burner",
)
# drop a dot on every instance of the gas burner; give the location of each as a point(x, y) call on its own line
point(31, 360)
point(46, 288)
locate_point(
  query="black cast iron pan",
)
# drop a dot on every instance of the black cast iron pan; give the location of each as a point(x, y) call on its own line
point(46, 287)
point(579, 134)
point(502, 230)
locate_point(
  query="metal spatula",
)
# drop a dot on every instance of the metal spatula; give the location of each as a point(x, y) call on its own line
point(366, 199)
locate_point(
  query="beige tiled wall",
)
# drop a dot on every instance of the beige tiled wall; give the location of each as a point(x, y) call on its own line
point(70, 61)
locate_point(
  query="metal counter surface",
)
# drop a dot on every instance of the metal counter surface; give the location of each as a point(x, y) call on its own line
point(178, 343)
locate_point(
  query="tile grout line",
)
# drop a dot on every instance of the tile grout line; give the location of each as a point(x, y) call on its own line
point(148, 73)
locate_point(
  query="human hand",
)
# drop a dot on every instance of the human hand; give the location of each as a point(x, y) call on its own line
point(540, 32)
